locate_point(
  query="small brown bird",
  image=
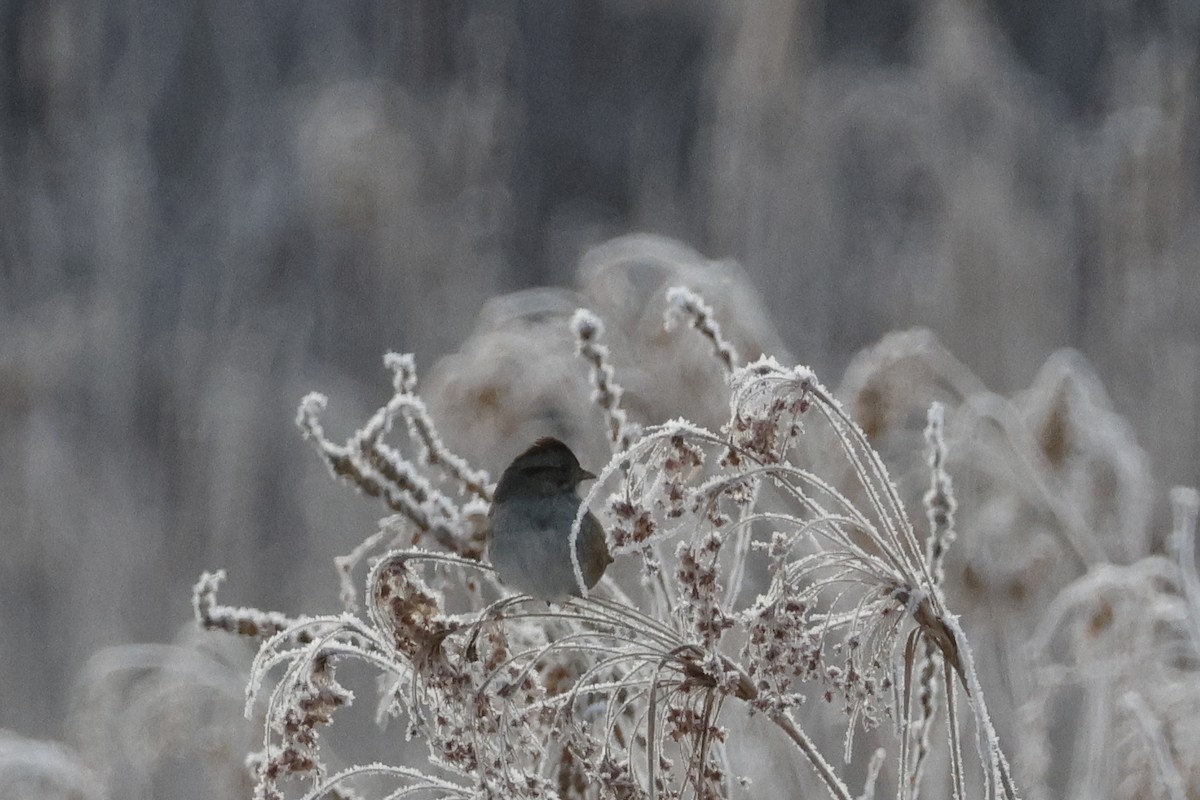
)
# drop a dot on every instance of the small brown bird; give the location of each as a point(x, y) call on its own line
point(532, 512)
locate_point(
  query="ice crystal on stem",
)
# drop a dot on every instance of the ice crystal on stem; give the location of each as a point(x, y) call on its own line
point(589, 329)
point(684, 305)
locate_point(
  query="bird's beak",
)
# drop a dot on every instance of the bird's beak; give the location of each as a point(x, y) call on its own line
point(584, 475)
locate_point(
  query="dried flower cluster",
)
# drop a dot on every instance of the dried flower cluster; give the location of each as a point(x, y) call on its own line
point(757, 584)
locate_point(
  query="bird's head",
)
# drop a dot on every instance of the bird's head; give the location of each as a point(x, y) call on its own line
point(548, 467)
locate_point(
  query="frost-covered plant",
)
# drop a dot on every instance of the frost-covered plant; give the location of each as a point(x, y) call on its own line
point(753, 585)
point(149, 718)
point(1127, 638)
point(49, 770)
point(1094, 672)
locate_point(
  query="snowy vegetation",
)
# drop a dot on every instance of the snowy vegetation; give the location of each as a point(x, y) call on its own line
point(772, 593)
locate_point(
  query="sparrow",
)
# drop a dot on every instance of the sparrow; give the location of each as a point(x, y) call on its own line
point(532, 511)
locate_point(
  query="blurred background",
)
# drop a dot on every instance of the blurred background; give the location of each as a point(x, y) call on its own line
point(208, 209)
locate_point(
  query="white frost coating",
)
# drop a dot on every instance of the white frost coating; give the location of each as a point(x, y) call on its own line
point(681, 302)
point(573, 549)
point(606, 392)
point(684, 305)
point(404, 367)
point(939, 501)
point(753, 387)
point(311, 406)
point(586, 325)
